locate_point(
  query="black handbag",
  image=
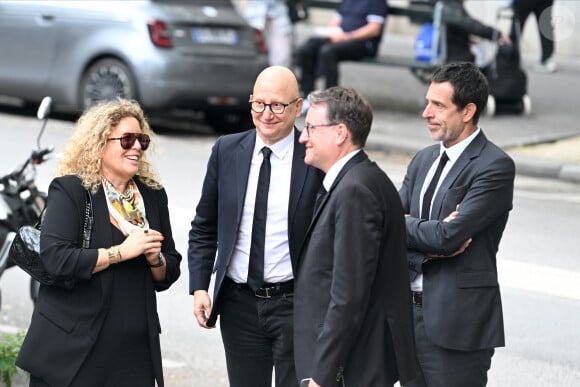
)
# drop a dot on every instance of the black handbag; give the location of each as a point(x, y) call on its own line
point(297, 10)
point(25, 248)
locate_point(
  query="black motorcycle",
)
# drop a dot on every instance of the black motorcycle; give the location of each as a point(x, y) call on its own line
point(21, 202)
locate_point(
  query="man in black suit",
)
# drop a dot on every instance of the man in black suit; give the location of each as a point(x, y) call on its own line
point(453, 237)
point(352, 309)
point(256, 319)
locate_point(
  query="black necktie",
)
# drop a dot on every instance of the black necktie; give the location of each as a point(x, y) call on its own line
point(319, 198)
point(428, 197)
point(256, 266)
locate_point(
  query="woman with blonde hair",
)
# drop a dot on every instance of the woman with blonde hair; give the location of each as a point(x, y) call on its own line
point(103, 330)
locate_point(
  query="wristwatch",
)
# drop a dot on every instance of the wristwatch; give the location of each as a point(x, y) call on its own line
point(159, 263)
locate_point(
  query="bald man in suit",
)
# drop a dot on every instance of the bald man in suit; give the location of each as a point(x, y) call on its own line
point(255, 321)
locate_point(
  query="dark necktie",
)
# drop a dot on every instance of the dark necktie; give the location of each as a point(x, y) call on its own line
point(256, 266)
point(319, 198)
point(428, 197)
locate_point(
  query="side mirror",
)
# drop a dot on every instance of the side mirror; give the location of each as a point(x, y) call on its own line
point(42, 114)
point(44, 108)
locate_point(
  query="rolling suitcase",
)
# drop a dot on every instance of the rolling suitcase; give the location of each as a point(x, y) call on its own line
point(508, 82)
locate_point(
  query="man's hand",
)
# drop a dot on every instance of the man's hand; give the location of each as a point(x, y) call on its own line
point(313, 383)
point(455, 253)
point(201, 307)
point(449, 218)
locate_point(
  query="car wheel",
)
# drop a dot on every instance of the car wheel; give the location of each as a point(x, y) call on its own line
point(229, 121)
point(105, 80)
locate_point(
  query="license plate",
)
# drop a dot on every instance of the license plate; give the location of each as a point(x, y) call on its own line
point(205, 35)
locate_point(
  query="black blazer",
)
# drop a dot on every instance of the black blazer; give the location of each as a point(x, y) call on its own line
point(218, 214)
point(66, 323)
point(461, 297)
point(352, 308)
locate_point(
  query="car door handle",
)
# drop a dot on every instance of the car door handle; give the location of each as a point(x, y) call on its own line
point(45, 19)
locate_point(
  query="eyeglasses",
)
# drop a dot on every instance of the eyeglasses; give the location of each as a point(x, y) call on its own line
point(275, 107)
point(128, 140)
point(308, 128)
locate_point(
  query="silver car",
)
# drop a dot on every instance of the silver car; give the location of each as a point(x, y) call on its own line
point(172, 56)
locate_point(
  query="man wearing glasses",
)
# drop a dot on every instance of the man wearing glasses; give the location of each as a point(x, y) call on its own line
point(352, 307)
point(255, 207)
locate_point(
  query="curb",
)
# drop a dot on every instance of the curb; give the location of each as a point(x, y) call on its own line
point(525, 165)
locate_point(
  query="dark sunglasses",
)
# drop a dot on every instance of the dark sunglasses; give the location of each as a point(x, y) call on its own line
point(128, 140)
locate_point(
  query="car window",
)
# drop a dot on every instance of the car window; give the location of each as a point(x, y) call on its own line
point(214, 3)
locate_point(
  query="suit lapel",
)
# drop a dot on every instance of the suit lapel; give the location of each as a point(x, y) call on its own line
point(472, 151)
point(358, 158)
point(102, 236)
point(150, 205)
point(424, 167)
point(298, 177)
point(243, 162)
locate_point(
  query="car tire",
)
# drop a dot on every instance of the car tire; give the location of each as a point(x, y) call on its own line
point(106, 80)
point(229, 121)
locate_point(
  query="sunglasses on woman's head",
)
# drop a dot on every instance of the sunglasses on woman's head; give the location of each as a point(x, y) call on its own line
point(128, 140)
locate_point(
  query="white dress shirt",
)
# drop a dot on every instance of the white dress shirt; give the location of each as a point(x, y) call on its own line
point(277, 263)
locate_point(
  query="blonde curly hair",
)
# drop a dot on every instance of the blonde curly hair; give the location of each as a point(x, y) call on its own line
point(81, 154)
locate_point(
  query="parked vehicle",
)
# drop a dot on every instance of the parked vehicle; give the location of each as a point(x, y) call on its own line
point(170, 55)
point(21, 202)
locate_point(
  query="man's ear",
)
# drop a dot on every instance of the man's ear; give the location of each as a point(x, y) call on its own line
point(341, 133)
point(468, 112)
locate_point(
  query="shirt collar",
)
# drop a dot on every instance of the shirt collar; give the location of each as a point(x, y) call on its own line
point(280, 149)
point(336, 168)
point(453, 152)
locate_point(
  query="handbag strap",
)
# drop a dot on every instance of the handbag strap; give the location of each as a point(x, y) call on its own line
point(89, 220)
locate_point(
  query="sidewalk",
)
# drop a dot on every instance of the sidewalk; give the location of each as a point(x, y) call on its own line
point(398, 99)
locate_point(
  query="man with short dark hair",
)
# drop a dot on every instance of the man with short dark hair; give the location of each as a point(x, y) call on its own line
point(457, 195)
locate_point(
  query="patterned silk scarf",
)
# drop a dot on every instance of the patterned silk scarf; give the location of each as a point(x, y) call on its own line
point(127, 210)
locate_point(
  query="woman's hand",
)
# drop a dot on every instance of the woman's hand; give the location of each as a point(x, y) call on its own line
point(147, 242)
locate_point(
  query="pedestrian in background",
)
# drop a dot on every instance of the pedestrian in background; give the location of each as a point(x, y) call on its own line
point(457, 195)
point(257, 229)
point(460, 33)
point(272, 18)
point(352, 313)
point(354, 32)
point(104, 331)
point(542, 10)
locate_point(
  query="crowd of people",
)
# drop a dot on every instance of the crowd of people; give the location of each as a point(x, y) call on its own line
point(324, 276)
point(324, 273)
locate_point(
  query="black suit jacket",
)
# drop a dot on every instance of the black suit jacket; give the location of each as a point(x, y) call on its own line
point(461, 297)
point(66, 323)
point(219, 212)
point(352, 309)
